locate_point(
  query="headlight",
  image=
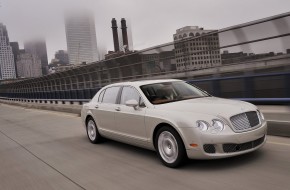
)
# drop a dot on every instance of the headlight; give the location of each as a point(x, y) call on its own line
point(217, 126)
point(202, 125)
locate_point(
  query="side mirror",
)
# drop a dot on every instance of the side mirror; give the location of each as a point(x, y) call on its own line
point(132, 103)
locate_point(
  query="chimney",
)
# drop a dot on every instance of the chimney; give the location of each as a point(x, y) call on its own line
point(124, 33)
point(115, 35)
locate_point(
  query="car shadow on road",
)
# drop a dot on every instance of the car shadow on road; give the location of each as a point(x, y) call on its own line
point(126, 148)
point(205, 165)
point(225, 163)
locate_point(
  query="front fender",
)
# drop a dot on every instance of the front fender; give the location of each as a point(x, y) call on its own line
point(181, 122)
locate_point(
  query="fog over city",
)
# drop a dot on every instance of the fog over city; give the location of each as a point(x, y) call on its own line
point(152, 22)
point(145, 94)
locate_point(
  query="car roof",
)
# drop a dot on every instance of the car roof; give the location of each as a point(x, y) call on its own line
point(143, 82)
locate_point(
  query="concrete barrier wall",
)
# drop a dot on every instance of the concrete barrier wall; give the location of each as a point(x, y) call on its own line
point(67, 107)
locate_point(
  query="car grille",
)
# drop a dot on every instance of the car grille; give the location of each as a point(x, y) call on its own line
point(245, 121)
point(228, 148)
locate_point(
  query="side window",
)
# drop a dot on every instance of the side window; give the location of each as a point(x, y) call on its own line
point(101, 96)
point(110, 95)
point(129, 93)
point(96, 97)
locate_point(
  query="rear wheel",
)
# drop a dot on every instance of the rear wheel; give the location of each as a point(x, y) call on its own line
point(92, 131)
point(170, 147)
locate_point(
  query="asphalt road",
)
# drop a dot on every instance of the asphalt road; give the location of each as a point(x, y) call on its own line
point(49, 150)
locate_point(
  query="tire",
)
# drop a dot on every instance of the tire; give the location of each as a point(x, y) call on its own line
point(170, 147)
point(92, 131)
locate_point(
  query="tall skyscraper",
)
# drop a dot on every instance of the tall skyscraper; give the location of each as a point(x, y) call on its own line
point(7, 65)
point(16, 52)
point(81, 37)
point(37, 47)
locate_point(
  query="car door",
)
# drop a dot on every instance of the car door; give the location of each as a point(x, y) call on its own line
point(104, 109)
point(130, 122)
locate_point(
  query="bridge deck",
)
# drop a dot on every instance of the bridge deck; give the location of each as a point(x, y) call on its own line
point(49, 150)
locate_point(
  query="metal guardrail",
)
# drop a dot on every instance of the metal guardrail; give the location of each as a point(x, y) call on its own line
point(267, 89)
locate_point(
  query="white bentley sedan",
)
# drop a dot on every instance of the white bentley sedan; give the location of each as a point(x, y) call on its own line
point(176, 119)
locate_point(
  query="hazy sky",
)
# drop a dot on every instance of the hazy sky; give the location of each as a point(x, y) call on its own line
point(152, 21)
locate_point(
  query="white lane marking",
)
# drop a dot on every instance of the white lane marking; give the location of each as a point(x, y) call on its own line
point(277, 143)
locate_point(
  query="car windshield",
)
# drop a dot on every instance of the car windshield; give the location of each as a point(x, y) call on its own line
point(165, 92)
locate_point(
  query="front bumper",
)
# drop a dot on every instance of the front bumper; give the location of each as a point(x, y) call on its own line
point(227, 144)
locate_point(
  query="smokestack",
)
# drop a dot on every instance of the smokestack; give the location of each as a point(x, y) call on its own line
point(115, 35)
point(124, 33)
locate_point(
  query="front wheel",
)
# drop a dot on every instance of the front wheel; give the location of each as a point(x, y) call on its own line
point(92, 131)
point(170, 147)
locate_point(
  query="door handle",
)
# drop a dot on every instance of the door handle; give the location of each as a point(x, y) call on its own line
point(97, 106)
point(117, 108)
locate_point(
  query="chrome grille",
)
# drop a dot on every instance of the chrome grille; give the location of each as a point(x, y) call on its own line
point(253, 118)
point(245, 121)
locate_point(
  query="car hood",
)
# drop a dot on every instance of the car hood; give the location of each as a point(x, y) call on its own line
point(209, 105)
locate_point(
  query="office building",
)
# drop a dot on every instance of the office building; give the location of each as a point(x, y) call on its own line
point(37, 47)
point(28, 65)
point(62, 57)
point(196, 50)
point(16, 52)
point(81, 37)
point(7, 65)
